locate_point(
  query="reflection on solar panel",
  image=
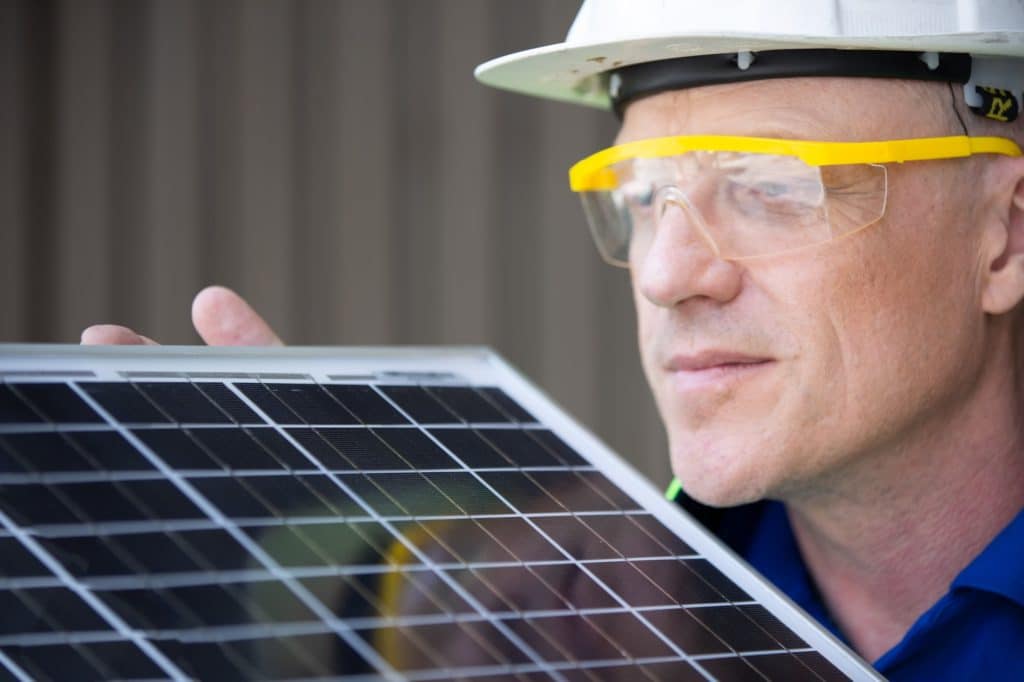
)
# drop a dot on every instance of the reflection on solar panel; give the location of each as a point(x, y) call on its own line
point(422, 515)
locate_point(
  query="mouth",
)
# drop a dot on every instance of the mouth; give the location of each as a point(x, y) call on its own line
point(714, 368)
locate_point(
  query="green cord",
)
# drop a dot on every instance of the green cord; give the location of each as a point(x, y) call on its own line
point(674, 488)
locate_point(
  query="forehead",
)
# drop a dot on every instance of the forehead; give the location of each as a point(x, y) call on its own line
point(847, 109)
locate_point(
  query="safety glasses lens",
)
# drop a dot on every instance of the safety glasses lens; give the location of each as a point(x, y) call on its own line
point(742, 204)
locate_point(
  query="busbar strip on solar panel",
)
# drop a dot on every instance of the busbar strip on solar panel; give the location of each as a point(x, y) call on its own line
point(370, 514)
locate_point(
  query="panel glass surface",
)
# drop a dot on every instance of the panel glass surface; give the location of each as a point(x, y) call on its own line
point(195, 527)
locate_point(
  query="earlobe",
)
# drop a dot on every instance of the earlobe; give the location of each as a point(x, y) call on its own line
point(1004, 286)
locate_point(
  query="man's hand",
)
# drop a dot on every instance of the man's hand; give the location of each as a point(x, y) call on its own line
point(220, 316)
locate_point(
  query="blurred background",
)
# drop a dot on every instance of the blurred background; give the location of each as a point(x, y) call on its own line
point(334, 162)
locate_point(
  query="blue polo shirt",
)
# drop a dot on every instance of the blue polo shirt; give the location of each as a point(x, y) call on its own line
point(974, 632)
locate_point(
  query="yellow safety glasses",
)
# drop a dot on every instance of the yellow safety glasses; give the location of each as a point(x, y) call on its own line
point(747, 196)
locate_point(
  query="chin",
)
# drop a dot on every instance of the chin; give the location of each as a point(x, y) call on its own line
point(723, 474)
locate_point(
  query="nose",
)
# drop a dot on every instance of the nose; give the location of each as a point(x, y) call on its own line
point(681, 261)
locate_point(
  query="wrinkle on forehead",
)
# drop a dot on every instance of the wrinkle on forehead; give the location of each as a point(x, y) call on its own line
point(848, 109)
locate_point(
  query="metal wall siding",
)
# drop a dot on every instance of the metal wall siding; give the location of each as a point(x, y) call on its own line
point(334, 161)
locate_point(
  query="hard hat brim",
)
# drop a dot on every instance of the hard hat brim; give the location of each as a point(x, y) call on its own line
point(576, 73)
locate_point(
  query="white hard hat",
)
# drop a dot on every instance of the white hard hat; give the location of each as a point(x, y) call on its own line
point(977, 42)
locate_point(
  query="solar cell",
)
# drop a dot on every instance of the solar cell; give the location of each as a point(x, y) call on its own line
point(366, 404)
point(188, 514)
point(14, 410)
point(56, 403)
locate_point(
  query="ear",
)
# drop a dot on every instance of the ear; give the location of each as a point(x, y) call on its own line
point(1003, 286)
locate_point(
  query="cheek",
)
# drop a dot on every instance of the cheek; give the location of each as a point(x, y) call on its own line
point(916, 281)
point(899, 303)
point(809, 304)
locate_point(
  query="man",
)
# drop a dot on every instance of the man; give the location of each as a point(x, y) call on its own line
point(833, 338)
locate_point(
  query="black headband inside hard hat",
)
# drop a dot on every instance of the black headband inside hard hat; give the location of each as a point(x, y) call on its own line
point(639, 80)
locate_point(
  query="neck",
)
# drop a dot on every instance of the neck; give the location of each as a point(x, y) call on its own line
point(884, 547)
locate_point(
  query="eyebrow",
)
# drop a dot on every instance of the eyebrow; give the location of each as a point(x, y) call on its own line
point(804, 129)
point(760, 129)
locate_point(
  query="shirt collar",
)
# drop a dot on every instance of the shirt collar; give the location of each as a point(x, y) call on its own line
point(999, 568)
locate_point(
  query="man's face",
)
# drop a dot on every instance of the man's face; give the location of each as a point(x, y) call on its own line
point(777, 376)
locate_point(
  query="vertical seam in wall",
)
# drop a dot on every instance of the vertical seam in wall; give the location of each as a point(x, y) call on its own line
point(204, 140)
point(301, 229)
point(118, 240)
point(40, 77)
point(128, 60)
point(399, 263)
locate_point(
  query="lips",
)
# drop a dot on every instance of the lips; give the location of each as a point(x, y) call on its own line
point(712, 359)
point(713, 368)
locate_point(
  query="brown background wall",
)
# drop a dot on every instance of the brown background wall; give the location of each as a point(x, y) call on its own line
point(333, 161)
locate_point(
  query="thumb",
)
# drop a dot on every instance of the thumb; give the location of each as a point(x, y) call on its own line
point(223, 318)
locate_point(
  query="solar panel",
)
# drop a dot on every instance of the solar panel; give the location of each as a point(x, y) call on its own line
point(376, 513)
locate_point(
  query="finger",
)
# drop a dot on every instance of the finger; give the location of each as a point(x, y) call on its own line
point(223, 318)
point(114, 335)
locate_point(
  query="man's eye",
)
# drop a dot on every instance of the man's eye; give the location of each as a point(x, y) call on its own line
point(776, 193)
point(772, 190)
point(766, 189)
